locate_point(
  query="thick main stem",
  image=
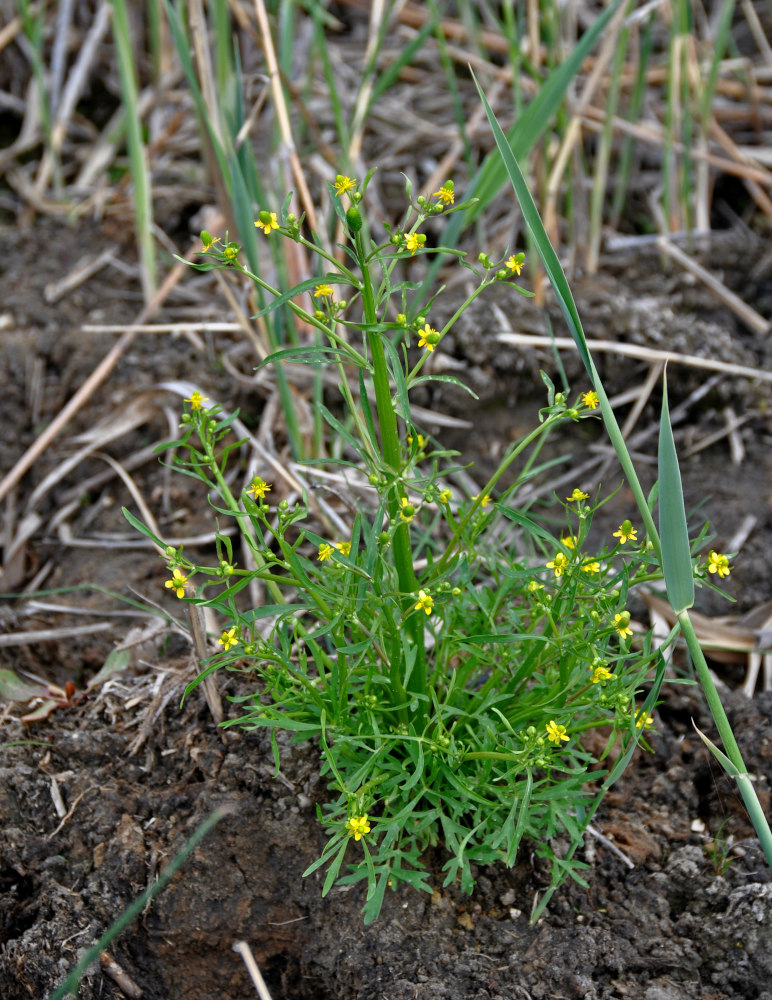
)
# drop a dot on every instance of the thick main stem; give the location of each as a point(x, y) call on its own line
point(403, 553)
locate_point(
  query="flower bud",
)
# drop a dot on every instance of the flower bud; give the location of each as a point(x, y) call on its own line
point(354, 219)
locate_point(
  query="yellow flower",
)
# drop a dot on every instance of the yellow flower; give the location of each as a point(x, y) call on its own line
point(590, 400)
point(259, 487)
point(428, 337)
point(556, 733)
point(322, 291)
point(578, 495)
point(343, 184)
point(534, 586)
point(343, 547)
point(569, 541)
point(600, 673)
point(413, 241)
point(591, 567)
point(421, 440)
point(267, 221)
point(445, 496)
point(177, 582)
point(515, 263)
point(357, 826)
point(325, 551)
point(228, 639)
point(424, 603)
point(407, 510)
point(558, 564)
point(622, 624)
point(484, 499)
point(626, 533)
point(197, 400)
point(445, 193)
point(208, 241)
point(645, 720)
point(718, 563)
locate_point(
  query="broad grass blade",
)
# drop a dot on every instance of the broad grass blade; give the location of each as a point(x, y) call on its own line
point(673, 533)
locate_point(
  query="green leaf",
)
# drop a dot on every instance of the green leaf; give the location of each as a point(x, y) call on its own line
point(13, 688)
point(674, 534)
point(315, 355)
point(334, 868)
point(135, 523)
point(116, 660)
point(303, 286)
point(536, 118)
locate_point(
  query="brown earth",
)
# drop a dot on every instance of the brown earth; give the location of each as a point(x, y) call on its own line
point(134, 773)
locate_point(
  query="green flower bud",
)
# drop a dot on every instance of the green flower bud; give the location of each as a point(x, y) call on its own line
point(354, 219)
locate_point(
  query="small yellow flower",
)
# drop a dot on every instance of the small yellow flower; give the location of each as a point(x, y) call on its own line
point(626, 533)
point(425, 602)
point(535, 586)
point(591, 567)
point(267, 221)
point(445, 495)
point(577, 495)
point(343, 184)
point(228, 639)
point(420, 438)
point(645, 720)
point(357, 826)
point(515, 263)
point(407, 510)
point(208, 241)
point(428, 337)
point(177, 582)
point(325, 552)
point(197, 400)
point(600, 673)
point(259, 487)
point(343, 547)
point(556, 733)
point(569, 541)
point(322, 291)
point(622, 624)
point(413, 241)
point(718, 563)
point(591, 400)
point(445, 193)
point(558, 564)
point(484, 499)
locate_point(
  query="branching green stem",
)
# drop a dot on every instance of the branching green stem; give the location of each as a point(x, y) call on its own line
point(403, 553)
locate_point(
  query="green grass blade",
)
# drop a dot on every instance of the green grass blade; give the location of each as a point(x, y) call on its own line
point(536, 118)
point(673, 532)
point(70, 985)
point(568, 307)
point(521, 139)
point(140, 175)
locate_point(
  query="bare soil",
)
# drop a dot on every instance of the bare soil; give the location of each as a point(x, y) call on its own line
point(134, 772)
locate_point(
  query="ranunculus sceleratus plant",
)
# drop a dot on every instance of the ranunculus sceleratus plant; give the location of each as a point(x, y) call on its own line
point(465, 673)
